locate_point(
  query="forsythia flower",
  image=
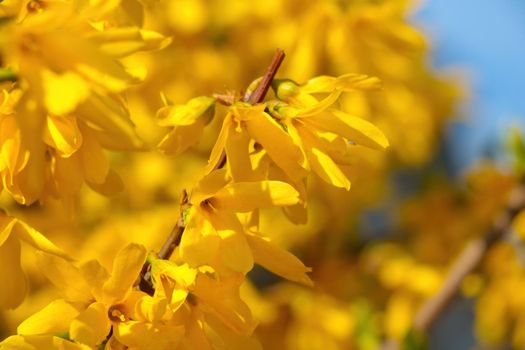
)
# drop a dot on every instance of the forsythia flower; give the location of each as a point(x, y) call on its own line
point(92, 301)
point(203, 302)
point(188, 122)
point(324, 134)
point(12, 233)
point(215, 235)
point(67, 103)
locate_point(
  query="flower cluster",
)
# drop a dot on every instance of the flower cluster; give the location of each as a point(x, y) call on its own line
point(93, 89)
point(65, 105)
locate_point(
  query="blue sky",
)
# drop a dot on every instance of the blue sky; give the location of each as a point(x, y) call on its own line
point(485, 39)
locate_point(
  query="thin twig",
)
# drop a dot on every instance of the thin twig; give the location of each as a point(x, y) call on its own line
point(175, 236)
point(257, 96)
point(468, 261)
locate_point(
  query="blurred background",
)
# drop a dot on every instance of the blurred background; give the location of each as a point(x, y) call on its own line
point(482, 41)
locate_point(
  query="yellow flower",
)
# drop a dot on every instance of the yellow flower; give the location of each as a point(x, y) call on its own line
point(188, 122)
point(12, 233)
point(203, 301)
point(39, 342)
point(66, 57)
point(215, 235)
point(93, 298)
point(325, 135)
point(245, 122)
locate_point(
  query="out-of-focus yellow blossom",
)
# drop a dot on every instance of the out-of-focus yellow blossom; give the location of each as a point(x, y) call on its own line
point(188, 122)
point(12, 233)
point(309, 319)
point(499, 308)
point(65, 55)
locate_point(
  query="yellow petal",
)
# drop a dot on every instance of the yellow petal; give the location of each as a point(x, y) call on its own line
point(13, 155)
point(278, 260)
point(37, 240)
point(354, 129)
point(62, 134)
point(40, 342)
point(151, 309)
point(6, 226)
point(218, 148)
point(95, 276)
point(297, 214)
point(296, 138)
point(247, 196)
point(198, 108)
point(195, 338)
point(67, 173)
point(237, 152)
point(126, 268)
point(320, 106)
point(209, 185)
point(231, 340)
point(347, 82)
point(111, 186)
point(65, 276)
point(200, 241)
point(234, 251)
point(29, 183)
point(94, 162)
point(91, 326)
point(223, 300)
point(183, 275)
point(120, 42)
point(86, 59)
point(46, 321)
point(277, 143)
point(63, 93)
point(181, 138)
point(14, 283)
point(33, 342)
point(142, 335)
point(108, 117)
point(327, 170)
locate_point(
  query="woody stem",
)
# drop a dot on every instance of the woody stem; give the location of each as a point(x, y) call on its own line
point(257, 96)
point(469, 260)
point(175, 236)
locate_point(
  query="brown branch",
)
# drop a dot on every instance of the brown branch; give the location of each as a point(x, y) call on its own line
point(175, 236)
point(257, 96)
point(468, 261)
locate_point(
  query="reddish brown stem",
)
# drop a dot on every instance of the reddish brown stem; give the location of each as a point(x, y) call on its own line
point(257, 96)
point(175, 236)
